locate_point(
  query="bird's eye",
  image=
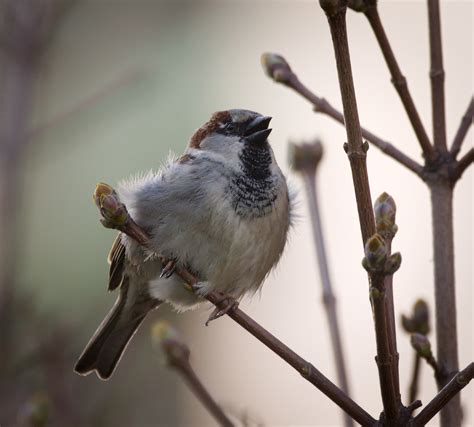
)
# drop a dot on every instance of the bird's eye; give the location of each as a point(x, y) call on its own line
point(230, 127)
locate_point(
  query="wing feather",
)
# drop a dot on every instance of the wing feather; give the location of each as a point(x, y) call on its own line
point(116, 260)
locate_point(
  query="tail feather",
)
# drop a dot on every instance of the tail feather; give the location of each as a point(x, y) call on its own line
point(104, 350)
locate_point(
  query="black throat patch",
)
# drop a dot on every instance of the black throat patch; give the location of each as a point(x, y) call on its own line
point(254, 190)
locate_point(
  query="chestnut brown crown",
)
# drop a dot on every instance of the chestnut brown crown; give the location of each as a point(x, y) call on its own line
point(247, 125)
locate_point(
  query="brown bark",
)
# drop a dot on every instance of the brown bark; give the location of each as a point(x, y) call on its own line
point(445, 295)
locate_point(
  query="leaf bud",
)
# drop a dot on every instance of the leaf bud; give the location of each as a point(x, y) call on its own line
point(276, 67)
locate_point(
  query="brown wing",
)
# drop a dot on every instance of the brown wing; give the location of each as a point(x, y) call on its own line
point(116, 260)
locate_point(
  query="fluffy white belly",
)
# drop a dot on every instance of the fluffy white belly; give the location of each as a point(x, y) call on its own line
point(233, 258)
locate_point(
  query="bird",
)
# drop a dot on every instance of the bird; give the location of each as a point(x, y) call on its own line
point(222, 210)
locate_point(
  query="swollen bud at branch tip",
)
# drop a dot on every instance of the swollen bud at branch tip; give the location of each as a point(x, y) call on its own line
point(385, 211)
point(167, 338)
point(375, 253)
point(408, 325)
point(422, 345)
point(100, 190)
point(393, 263)
point(276, 67)
point(111, 208)
point(305, 157)
point(421, 317)
point(162, 331)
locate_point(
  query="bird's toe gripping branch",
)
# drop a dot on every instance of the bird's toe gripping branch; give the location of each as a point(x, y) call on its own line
point(225, 304)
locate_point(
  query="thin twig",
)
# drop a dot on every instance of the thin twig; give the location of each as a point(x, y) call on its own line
point(177, 355)
point(399, 81)
point(203, 395)
point(329, 299)
point(356, 152)
point(458, 382)
point(464, 162)
point(437, 76)
point(392, 330)
point(384, 358)
point(422, 346)
point(466, 122)
point(321, 105)
point(385, 210)
point(413, 391)
point(116, 216)
point(305, 159)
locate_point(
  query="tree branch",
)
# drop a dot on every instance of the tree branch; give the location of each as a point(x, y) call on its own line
point(356, 151)
point(115, 215)
point(305, 159)
point(437, 76)
point(413, 390)
point(417, 323)
point(464, 162)
point(445, 293)
point(177, 355)
point(459, 381)
point(399, 81)
point(385, 214)
point(466, 122)
point(422, 346)
point(281, 72)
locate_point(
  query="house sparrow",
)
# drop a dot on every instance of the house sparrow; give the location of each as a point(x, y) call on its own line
point(221, 210)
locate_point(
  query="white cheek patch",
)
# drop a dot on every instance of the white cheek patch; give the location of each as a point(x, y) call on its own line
point(228, 146)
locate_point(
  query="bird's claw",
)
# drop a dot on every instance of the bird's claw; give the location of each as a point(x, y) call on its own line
point(168, 269)
point(230, 304)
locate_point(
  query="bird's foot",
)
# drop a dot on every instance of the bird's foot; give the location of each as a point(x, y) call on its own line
point(225, 304)
point(168, 269)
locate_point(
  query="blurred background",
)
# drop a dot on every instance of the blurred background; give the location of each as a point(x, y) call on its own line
point(99, 90)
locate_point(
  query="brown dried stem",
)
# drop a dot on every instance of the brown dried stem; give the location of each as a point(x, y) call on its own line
point(451, 390)
point(437, 77)
point(466, 122)
point(399, 81)
point(306, 369)
point(321, 105)
point(356, 151)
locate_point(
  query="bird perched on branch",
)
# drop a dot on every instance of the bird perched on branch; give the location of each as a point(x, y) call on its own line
point(221, 210)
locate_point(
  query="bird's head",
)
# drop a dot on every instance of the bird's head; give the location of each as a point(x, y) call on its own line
point(230, 131)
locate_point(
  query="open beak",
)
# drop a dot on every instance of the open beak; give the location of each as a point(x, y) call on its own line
point(257, 130)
